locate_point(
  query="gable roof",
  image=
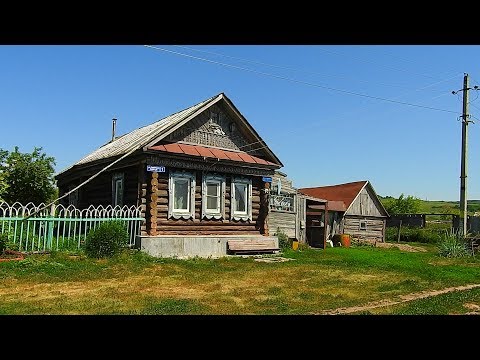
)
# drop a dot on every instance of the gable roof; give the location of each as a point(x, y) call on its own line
point(347, 192)
point(147, 136)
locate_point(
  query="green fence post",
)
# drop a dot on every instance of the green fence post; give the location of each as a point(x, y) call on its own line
point(50, 223)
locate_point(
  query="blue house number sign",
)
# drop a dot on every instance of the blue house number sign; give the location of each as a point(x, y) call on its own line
point(154, 168)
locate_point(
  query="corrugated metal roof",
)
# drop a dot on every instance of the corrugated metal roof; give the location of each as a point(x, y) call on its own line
point(342, 192)
point(332, 206)
point(203, 151)
point(142, 136)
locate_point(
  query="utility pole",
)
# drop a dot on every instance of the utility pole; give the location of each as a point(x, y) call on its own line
point(463, 168)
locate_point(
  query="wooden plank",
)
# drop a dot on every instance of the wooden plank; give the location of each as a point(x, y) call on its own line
point(237, 246)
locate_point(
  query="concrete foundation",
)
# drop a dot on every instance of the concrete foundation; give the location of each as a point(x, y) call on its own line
point(185, 246)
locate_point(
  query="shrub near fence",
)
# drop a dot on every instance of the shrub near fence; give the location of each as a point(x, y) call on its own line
point(60, 227)
point(410, 234)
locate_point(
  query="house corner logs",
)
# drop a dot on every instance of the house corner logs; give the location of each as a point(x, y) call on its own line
point(152, 204)
point(264, 209)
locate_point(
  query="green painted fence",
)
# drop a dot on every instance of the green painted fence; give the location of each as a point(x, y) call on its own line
point(60, 227)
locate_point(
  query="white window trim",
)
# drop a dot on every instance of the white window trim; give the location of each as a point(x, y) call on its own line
point(208, 213)
point(181, 214)
point(243, 215)
point(115, 178)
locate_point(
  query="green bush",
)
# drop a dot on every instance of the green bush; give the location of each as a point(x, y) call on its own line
point(411, 234)
point(106, 240)
point(453, 245)
point(283, 241)
point(3, 242)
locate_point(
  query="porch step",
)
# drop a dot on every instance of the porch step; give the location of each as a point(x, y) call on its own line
point(250, 246)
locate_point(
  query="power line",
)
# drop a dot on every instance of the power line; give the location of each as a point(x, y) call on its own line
point(290, 68)
point(299, 81)
point(298, 129)
point(372, 62)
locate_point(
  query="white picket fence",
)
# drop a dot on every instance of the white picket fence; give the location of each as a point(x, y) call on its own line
point(60, 227)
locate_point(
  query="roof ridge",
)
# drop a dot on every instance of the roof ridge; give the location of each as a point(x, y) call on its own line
point(130, 139)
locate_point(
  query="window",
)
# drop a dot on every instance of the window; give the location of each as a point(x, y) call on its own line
point(73, 197)
point(284, 202)
point(117, 189)
point(363, 225)
point(181, 202)
point(241, 202)
point(213, 196)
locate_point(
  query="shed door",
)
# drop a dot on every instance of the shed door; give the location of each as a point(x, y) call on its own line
point(315, 230)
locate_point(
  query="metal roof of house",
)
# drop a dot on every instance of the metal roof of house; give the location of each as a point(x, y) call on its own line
point(342, 192)
point(204, 151)
point(144, 136)
point(332, 205)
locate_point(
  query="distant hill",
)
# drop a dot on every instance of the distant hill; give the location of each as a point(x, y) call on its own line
point(443, 207)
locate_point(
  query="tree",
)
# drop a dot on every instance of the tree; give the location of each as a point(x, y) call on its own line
point(403, 205)
point(27, 177)
point(3, 183)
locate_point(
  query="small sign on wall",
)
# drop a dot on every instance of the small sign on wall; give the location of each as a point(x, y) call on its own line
point(156, 168)
point(267, 179)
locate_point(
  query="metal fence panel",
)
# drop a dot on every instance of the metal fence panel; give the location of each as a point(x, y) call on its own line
point(61, 227)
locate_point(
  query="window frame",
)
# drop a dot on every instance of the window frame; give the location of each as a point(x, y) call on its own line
point(73, 196)
point(360, 227)
point(241, 215)
point(219, 213)
point(275, 207)
point(118, 198)
point(188, 213)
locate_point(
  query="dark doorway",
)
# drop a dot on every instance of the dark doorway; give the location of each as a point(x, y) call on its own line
point(315, 231)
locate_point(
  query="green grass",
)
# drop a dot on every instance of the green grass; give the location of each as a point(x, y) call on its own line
point(313, 282)
point(455, 303)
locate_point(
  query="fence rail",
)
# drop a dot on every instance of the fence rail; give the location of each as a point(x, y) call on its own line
point(61, 227)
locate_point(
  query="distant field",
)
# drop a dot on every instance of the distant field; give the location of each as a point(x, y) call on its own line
point(439, 206)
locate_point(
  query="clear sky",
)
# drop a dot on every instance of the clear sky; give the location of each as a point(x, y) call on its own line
point(331, 113)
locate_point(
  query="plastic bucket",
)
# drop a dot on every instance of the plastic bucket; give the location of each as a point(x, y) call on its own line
point(345, 240)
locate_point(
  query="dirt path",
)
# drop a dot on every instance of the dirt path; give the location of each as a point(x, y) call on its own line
point(406, 298)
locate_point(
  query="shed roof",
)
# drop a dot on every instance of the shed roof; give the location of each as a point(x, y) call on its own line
point(342, 192)
point(345, 193)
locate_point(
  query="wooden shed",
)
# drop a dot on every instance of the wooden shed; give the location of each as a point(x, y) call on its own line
point(198, 175)
point(354, 209)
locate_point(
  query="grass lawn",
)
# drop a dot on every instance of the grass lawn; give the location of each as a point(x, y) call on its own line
point(312, 282)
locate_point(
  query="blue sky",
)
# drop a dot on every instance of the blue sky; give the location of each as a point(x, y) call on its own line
point(331, 113)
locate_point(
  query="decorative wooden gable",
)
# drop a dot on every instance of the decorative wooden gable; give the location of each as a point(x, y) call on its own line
point(366, 203)
point(215, 127)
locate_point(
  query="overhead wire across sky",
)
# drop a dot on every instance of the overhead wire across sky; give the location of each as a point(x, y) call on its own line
point(299, 81)
point(299, 129)
point(291, 68)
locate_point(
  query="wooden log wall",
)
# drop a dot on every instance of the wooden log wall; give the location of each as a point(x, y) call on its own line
point(198, 226)
point(374, 231)
point(99, 190)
